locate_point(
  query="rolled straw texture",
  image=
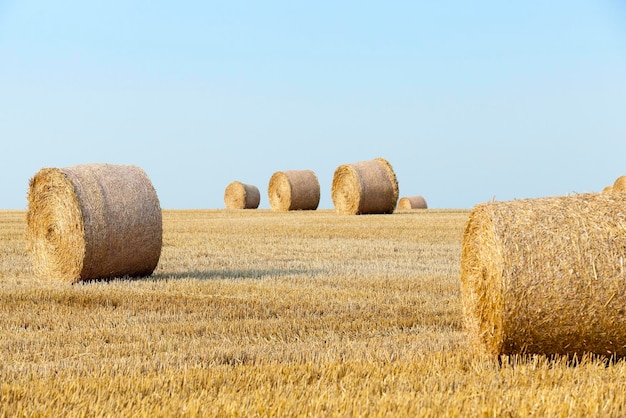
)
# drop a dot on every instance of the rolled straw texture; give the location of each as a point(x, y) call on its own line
point(239, 195)
point(546, 276)
point(93, 221)
point(620, 184)
point(412, 202)
point(366, 187)
point(294, 190)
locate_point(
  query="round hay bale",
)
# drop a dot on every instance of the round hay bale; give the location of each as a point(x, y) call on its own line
point(412, 202)
point(546, 276)
point(620, 184)
point(607, 189)
point(366, 187)
point(239, 195)
point(93, 221)
point(294, 190)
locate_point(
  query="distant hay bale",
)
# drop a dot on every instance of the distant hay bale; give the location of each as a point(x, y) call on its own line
point(412, 202)
point(546, 276)
point(93, 221)
point(239, 195)
point(607, 189)
point(366, 187)
point(620, 184)
point(294, 190)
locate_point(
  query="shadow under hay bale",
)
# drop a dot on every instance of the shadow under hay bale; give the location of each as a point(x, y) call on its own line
point(294, 190)
point(239, 195)
point(546, 276)
point(412, 202)
point(93, 221)
point(366, 187)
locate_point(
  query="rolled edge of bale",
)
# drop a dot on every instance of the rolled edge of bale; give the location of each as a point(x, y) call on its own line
point(619, 185)
point(294, 190)
point(93, 221)
point(240, 195)
point(366, 187)
point(412, 202)
point(546, 276)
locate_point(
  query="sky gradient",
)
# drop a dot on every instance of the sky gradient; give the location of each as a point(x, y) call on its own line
point(468, 101)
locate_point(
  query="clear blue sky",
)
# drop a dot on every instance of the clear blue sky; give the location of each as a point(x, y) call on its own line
point(466, 99)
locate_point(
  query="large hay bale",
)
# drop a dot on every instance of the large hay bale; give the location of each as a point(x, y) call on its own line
point(546, 276)
point(412, 202)
point(93, 221)
point(294, 190)
point(366, 187)
point(239, 195)
point(620, 184)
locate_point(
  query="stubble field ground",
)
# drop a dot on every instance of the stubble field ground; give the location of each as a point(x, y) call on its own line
point(261, 313)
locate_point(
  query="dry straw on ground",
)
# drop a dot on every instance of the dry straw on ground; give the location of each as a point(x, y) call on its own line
point(366, 187)
point(412, 202)
point(239, 195)
point(620, 184)
point(93, 221)
point(294, 190)
point(546, 276)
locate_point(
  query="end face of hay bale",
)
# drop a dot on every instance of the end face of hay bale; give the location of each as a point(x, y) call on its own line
point(367, 187)
point(346, 190)
point(412, 202)
point(239, 195)
point(55, 232)
point(481, 280)
point(93, 221)
point(294, 190)
point(546, 276)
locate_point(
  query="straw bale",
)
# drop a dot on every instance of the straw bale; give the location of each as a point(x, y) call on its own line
point(607, 189)
point(93, 221)
point(546, 276)
point(412, 202)
point(239, 195)
point(366, 187)
point(294, 190)
point(620, 184)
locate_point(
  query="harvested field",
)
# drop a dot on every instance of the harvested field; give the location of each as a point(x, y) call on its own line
point(265, 313)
